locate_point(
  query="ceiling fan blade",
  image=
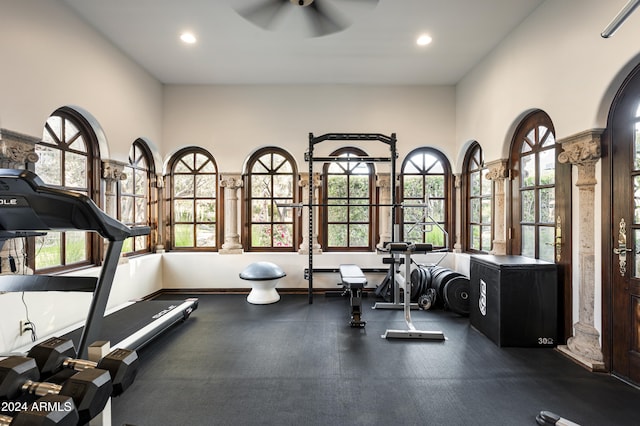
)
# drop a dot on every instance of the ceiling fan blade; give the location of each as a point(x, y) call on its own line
point(264, 13)
point(324, 19)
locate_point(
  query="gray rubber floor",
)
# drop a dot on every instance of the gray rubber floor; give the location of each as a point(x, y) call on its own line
point(291, 363)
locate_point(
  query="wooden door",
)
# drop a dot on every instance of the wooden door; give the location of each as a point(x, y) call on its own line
point(624, 231)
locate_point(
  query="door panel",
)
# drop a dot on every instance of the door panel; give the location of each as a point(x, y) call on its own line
point(625, 232)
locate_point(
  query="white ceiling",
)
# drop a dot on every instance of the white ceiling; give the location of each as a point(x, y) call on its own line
point(377, 48)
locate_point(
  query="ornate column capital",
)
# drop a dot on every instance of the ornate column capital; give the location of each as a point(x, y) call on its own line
point(303, 180)
point(16, 149)
point(582, 150)
point(231, 181)
point(113, 170)
point(159, 181)
point(498, 170)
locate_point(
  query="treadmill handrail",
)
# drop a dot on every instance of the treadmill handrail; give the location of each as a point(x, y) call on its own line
point(28, 204)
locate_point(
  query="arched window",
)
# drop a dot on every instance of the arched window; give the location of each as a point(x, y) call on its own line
point(135, 196)
point(478, 201)
point(348, 221)
point(271, 181)
point(533, 160)
point(68, 160)
point(426, 181)
point(193, 200)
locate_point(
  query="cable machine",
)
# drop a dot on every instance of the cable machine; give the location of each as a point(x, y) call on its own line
point(313, 141)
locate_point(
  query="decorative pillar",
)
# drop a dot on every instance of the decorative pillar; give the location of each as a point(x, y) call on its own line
point(383, 181)
point(231, 184)
point(160, 222)
point(304, 183)
point(457, 183)
point(583, 151)
point(17, 151)
point(112, 172)
point(498, 173)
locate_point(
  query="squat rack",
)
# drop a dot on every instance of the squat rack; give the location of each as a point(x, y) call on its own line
point(308, 156)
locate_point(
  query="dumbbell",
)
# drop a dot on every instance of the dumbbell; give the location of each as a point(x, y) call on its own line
point(57, 353)
point(49, 410)
point(90, 389)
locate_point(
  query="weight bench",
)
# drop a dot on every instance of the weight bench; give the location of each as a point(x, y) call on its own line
point(353, 281)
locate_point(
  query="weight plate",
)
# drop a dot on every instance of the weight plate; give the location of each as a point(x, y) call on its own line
point(457, 295)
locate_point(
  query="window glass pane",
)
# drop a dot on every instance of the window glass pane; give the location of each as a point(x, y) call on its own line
point(260, 235)
point(260, 211)
point(141, 182)
point(127, 245)
point(358, 235)
point(545, 241)
point(185, 165)
point(435, 186)
point(636, 257)
point(285, 167)
point(486, 184)
point(55, 134)
point(413, 233)
point(183, 186)
point(141, 206)
point(359, 186)
point(49, 166)
point(359, 214)
point(183, 236)
point(547, 138)
point(126, 209)
point(475, 188)
point(413, 187)
point(527, 170)
point(434, 235)
point(528, 241)
point(260, 186)
point(49, 250)
point(547, 205)
point(636, 146)
point(75, 247)
point(283, 186)
point(475, 210)
point(205, 186)
point(337, 235)
point(259, 167)
point(437, 210)
point(200, 162)
point(486, 210)
point(282, 214)
point(547, 171)
point(282, 235)
point(475, 243)
point(527, 200)
point(141, 242)
point(337, 186)
point(78, 144)
point(486, 238)
point(636, 198)
point(126, 186)
point(75, 170)
point(183, 210)
point(337, 214)
point(205, 211)
point(206, 235)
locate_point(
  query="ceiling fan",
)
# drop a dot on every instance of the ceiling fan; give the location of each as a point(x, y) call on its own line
point(316, 17)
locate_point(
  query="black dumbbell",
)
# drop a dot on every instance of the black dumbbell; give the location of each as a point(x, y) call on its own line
point(51, 410)
point(89, 389)
point(57, 353)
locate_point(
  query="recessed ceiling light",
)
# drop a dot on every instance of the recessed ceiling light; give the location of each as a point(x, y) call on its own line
point(188, 38)
point(423, 40)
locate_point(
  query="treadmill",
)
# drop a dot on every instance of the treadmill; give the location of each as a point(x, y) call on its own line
point(28, 207)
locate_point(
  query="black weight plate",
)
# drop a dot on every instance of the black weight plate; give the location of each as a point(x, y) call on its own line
point(415, 283)
point(440, 278)
point(457, 295)
point(427, 279)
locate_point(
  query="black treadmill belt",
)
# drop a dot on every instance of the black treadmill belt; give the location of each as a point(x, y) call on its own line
point(121, 324)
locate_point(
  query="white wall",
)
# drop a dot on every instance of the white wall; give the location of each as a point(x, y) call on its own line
point(51, 58)
point(233, 121)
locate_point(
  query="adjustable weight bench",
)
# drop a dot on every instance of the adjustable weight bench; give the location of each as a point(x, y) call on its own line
point(353, 281)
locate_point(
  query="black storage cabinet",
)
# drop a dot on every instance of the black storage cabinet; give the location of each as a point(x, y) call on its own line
point(514, 300)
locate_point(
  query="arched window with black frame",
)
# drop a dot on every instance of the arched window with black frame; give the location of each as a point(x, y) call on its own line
point(426, 182)
point(478, 193)
point(68, 159)
point(271, 181)
point(135, 196)
point(193, 200)
point(348, 217)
